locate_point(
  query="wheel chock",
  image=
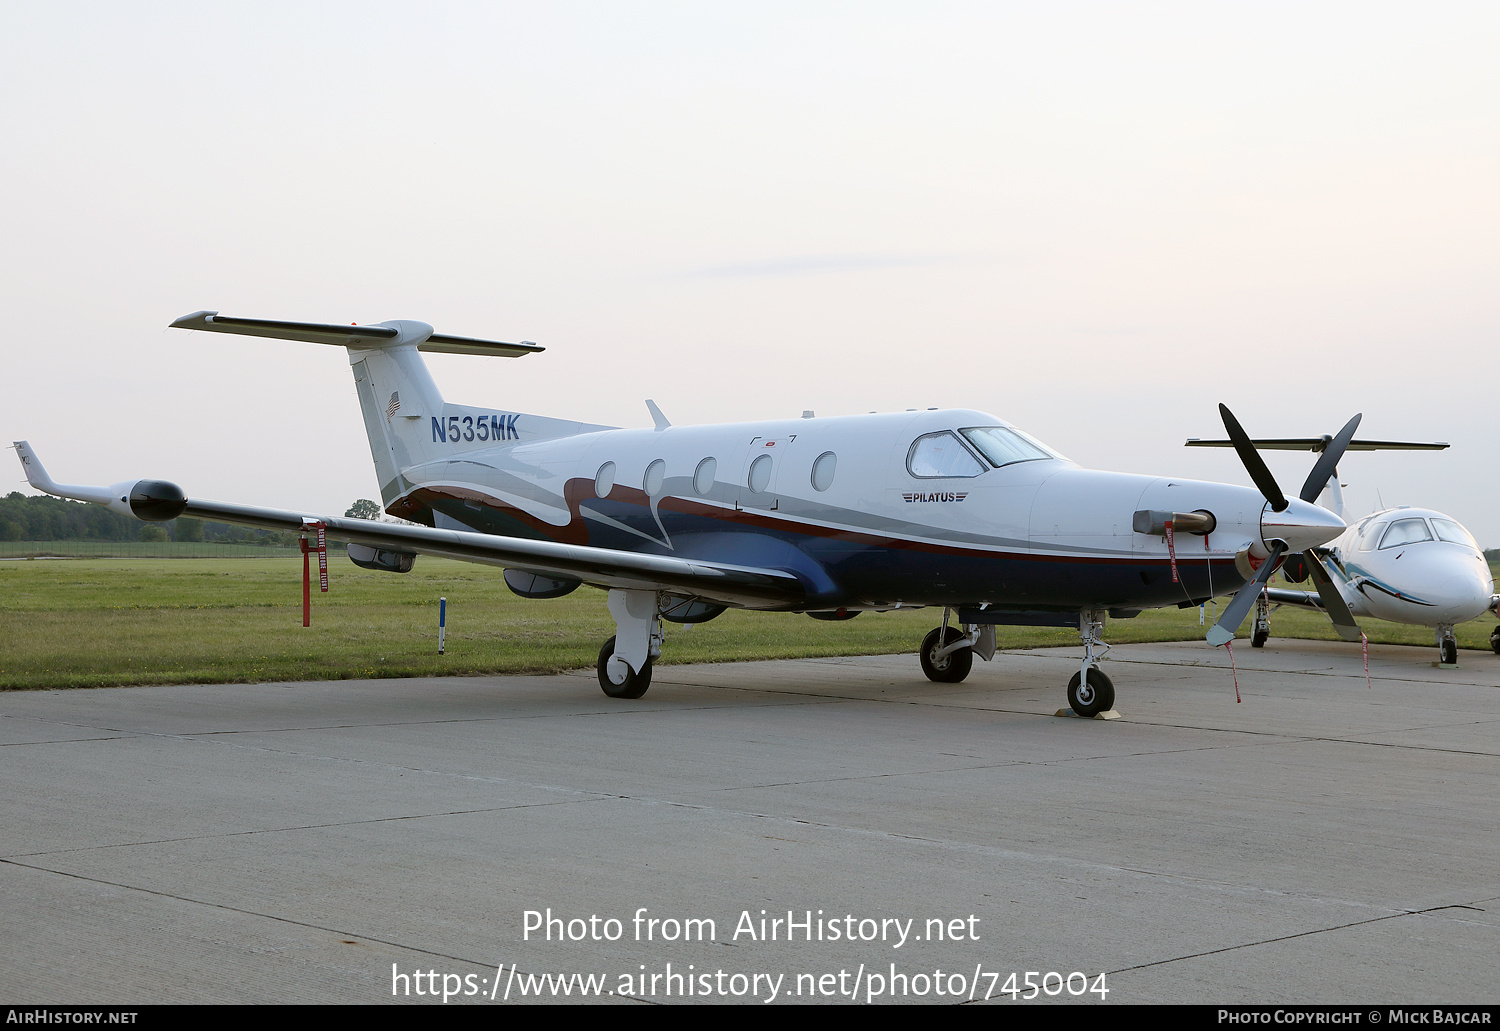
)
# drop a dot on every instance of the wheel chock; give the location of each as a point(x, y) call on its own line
point(1108, 714)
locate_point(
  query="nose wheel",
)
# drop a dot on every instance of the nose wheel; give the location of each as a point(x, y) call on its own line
point(1495, 640)
point(1447, 645)
point(1091, 697)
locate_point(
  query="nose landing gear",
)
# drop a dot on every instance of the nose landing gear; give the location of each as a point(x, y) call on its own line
point(1090, 698)
point(1090, 692)
point(1447, 645)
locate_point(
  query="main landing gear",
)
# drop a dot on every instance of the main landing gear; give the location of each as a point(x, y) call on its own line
point(625, 660)
point(616, 676)
point(948, 653)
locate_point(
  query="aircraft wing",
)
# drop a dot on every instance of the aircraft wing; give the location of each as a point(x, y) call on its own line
point(1283, 596)
point(1342, 619)
point(740, 586)
point(723, 583)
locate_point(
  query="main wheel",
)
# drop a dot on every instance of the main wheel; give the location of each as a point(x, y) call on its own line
point(1450, 651)
point(632, 686)
point(951, 668)
point(1495, 640)
point(1259, 638)
point(1095, 697)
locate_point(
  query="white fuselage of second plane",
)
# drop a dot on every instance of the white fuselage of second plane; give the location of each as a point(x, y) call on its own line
point(1412, 565)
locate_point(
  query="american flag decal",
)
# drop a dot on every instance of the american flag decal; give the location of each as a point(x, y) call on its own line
point(395, 404)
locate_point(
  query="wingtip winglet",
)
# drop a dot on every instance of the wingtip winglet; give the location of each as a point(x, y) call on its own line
point(31, 465)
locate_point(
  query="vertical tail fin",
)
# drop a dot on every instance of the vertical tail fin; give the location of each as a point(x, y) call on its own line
point(406, 419)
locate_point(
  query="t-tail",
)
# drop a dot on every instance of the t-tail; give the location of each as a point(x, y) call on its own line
point(406, 419)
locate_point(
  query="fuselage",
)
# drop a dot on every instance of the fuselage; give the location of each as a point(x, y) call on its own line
point(1412, 565)
point(937, 507)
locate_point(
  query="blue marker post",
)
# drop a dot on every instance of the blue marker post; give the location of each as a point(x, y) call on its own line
point(442, 621)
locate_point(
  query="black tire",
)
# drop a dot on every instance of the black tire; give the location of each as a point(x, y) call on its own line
point(1450, 652)
point(1495, 640)
point(1259, 638)
point(1098, 697)
point(951, 668)
point(635, 684)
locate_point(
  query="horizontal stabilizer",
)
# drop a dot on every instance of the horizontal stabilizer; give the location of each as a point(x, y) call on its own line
point(380, 335)
point(1319, 443)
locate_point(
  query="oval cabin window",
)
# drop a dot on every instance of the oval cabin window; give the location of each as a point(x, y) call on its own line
point(823, 469)
point(760, 474)
point(656, 474)
point(703, 476)
point(604, 480)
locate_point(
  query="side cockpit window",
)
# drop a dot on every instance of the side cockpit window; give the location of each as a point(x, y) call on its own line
point(1448, 530)
point(941, 454)
point(1405, 531)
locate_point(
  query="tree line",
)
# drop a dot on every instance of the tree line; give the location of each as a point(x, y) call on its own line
point(32, 518)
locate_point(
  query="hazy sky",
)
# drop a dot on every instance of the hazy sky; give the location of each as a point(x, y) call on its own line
point(1095, 220)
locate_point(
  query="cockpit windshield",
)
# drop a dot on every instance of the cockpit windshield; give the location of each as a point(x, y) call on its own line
point(1005, 446)
point(1405, 531)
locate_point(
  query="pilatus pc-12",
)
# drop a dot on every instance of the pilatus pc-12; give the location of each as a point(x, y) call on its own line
point(951, 509)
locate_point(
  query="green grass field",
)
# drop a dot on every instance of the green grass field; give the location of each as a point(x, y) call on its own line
point(102, 622)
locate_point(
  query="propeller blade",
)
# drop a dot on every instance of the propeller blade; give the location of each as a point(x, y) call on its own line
point(1328, 460)
point(1254, 464)
point(1333, 601)
point(1222, 632)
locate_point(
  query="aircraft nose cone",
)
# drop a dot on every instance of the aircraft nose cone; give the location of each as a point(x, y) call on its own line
point(1465, 593)
point(1301, 525)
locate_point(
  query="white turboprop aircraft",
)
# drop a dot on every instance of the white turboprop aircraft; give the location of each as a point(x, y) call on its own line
point(829, 516)
point(1405, 565)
